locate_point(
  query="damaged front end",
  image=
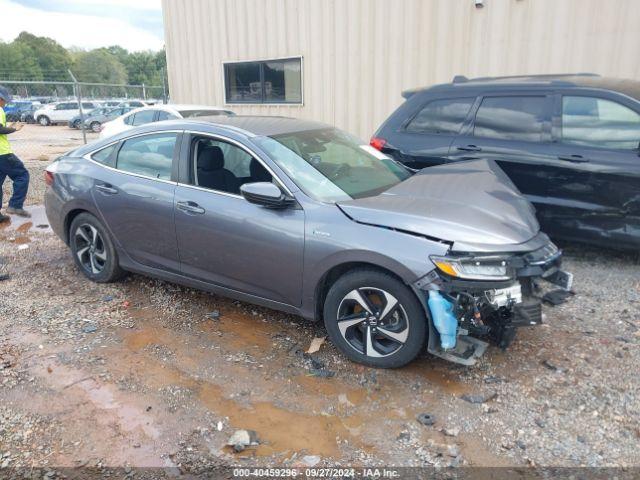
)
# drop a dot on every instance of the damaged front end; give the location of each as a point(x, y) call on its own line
point(476, 298)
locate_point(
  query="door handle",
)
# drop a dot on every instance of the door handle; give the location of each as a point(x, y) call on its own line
point(190, 208)
point(106, 189)
point(470, 148)
point(573, 158)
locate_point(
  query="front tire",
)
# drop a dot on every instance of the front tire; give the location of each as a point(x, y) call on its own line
point(44, 120)
point(374, 319)
point(93, 250)
point(96, 127)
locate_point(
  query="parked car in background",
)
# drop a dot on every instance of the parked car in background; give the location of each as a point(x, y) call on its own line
point(132, 103)
point(61, 112)
point(157, 113)
point(27, 116)
point(570, 143)
point(95, 121)
point(75, 121)
point(14, 110)
point(304, 218)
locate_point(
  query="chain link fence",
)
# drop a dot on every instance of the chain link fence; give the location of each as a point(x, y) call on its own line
point(38, 144)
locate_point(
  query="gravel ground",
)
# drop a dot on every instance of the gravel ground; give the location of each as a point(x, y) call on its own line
point(168, 374)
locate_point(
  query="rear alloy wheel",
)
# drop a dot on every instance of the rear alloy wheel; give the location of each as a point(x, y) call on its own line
point(375, 319)
point(44, 120)
point(92, 249)
point(95, 127)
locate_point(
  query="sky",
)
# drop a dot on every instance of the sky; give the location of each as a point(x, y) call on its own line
point(132, 24)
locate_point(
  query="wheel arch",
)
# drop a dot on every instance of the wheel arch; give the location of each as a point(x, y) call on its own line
point(70, 217)
point(333, 273)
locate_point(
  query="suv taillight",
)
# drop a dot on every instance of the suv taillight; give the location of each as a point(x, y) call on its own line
point(377, 143)
point(48, 177)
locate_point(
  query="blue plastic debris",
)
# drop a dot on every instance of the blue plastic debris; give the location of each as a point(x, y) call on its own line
point(443, 319)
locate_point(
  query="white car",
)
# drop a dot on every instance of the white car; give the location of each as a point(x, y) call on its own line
point(61, 112)
point(157, 113)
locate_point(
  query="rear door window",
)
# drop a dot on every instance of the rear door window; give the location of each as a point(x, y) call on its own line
point(164, 115)
point(600, 123)
point(513, 118)
point(143, 117)
point(148, 155)
point(441, 116)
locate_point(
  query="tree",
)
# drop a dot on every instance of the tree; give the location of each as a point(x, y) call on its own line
point(99, 66)
point(53, 59)
point(142, 68)
point(18, 62)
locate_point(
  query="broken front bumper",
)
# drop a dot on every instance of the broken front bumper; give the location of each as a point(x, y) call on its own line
point(464, 315)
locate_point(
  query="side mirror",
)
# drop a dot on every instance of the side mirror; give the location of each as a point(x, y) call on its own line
point(265, 194)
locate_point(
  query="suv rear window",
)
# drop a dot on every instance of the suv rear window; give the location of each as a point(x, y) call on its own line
point(441, 116)
point(512, 118)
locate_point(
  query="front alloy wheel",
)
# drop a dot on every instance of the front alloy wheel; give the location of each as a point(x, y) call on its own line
point(375, 319)
point(373, 322)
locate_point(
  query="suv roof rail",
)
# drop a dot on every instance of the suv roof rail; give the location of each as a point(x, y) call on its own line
point(460, 79)
point(539, 76)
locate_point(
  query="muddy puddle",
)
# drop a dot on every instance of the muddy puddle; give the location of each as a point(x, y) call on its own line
point(19, 230)
point(227, 367)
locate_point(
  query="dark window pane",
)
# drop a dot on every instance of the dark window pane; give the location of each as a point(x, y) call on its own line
point(145, 116)
point(283, 81)
point(201, 113)
point(441, 116)
point(512, 118)
point(243, 82)
point(222, 166)
point(595, 122)
point(162, 115)
point(150, 155)
point(103, 156)
point(129, 120)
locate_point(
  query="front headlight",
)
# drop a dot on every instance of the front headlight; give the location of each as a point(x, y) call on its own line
point(473, 268)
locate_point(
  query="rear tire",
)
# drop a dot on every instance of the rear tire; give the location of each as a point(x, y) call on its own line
point(93, 250)
point(95, 127)
point(374, 319)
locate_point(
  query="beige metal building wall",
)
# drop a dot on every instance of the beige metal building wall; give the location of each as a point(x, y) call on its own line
point(358, 55)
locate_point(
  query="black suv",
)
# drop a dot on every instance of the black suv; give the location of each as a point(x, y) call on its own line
point(570, 143)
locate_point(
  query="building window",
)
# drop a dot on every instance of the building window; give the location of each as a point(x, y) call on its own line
point(269, 81)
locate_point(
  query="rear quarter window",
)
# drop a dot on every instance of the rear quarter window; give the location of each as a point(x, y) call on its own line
point(441, 116)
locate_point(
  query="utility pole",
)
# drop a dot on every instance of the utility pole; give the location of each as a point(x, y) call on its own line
point(79, 98)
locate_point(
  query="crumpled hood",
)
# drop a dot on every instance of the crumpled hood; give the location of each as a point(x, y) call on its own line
point(472, 204)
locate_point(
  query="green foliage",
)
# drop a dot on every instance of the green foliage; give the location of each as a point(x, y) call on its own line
point(52, 58)
point(30, 57)
point(17, 62)
point(99, 66)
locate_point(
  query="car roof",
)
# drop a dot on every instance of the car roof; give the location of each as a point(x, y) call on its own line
point(257, 125)
point(179, 107)
point(625, 86)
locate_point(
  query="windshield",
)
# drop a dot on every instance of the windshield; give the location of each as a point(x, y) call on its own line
point(331, 165)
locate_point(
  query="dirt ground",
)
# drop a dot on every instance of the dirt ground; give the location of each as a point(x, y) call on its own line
point(147, 373)
point(143, 373)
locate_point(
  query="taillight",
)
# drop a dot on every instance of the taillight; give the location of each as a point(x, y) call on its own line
point(48, 177)
point(377, 143)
